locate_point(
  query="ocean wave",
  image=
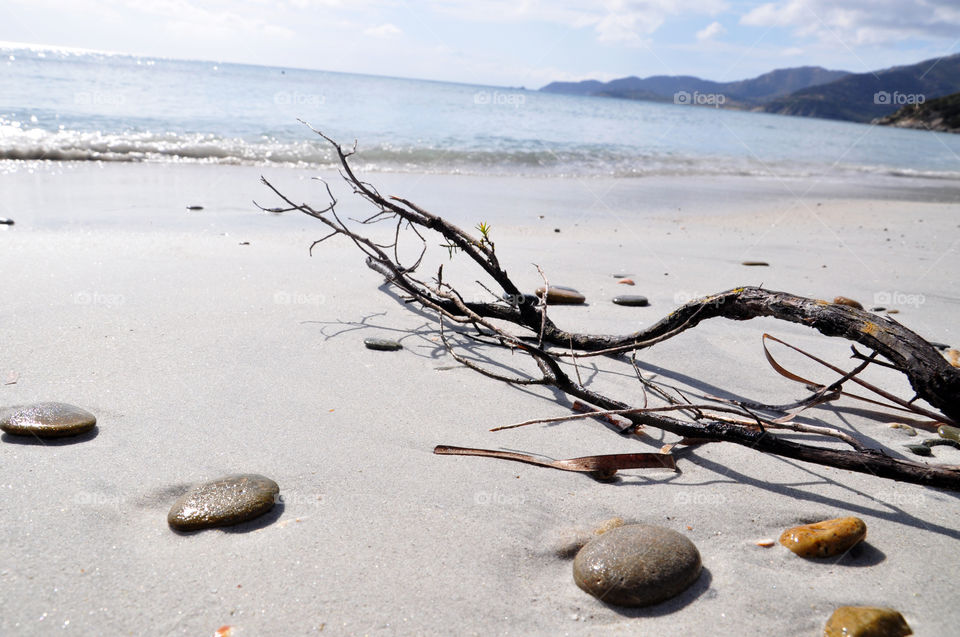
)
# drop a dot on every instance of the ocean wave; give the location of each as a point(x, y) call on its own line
point(19, 142)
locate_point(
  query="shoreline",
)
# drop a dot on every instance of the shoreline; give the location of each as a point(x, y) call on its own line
point(202, 357)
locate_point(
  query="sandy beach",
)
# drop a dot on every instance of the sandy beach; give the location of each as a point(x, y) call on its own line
point(210, 342)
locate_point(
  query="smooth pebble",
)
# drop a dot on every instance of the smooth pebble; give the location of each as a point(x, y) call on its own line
point(560, 295)
point(953, 357)
point(920, 450)
point(637, 565)
point(936, 442)
point(631, 300)
point(948, 432)
point(842, 300)
point(866, 621)
point(755, 263)
point(382, 344)
point(46, 420)
point(626, 281)
point(907, 429)
point(826, 538)
point(223, 502)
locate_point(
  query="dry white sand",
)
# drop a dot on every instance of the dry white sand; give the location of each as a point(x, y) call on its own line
point(203, 357)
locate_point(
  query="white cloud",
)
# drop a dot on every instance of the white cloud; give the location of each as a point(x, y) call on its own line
point(711, 31)
point(860, 22)
point(613, 21)
point(383, 31)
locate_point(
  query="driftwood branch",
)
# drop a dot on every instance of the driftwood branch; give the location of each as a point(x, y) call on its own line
point(520, 323)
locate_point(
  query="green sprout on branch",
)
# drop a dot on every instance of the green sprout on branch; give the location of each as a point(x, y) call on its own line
point(484, 229)
point(485, 241)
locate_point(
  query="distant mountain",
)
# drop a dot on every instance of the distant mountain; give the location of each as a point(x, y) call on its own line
point(866, 96)
point(783, 81)
point(942, 114)
point(665, 88)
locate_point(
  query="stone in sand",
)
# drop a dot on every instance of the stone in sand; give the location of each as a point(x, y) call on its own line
point(953, 357)
point(756, 263)
point(194, 207)
point(920, 450)
point(637, 565)
point(907, 429)
point(560, 295)
point(936, 442)
point(223, 502)
point(382, 344)
point(46, 420)
point(630, 300)
point(6, 222)
point(948, 432)
point(626, 281)
point(842, 300)
point(824, 539)
point(866, 621)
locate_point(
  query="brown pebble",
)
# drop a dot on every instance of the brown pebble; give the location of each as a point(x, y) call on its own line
point(755, 263)
point(765, 543)
point(46, 420)
point(953, 357)
point(893, 311)
point(866, 621)
point(224, 502)
point(559, 295)
point(842, 300)
point(626, 282)
point(826, 538)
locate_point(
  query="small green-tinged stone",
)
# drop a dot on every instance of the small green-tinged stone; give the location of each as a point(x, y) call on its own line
point(382, 344)
point(936, 442)
point(948, 432)
point(866, 621)
point(223, 502)
point(920, 450)
point(631, 300)
point(46, 420)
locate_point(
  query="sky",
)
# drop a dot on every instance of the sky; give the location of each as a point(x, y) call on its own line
point(504, 42)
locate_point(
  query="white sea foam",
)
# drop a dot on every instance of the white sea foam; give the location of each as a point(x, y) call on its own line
point(72, 105)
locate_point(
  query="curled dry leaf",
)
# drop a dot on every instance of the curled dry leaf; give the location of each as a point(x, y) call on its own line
point(603, 467)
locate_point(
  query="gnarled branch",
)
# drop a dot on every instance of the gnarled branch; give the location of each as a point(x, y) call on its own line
point(931, 376)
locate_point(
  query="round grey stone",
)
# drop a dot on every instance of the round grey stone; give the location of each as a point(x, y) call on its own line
point(223, 502)
point(631, 300)
point(382, 344)
point(637, 565)
point(46, 420)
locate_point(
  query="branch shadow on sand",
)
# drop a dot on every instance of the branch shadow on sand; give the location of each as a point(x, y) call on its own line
point(804, 491)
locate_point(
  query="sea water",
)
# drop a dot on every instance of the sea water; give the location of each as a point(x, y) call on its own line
point(83, 106)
